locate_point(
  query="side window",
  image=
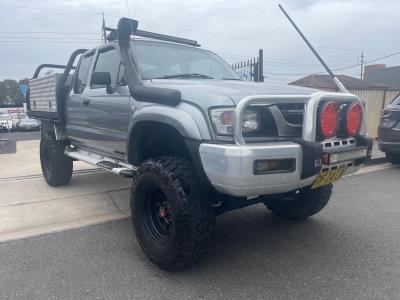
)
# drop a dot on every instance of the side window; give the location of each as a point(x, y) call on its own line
point(108, 62)
point(82, 75)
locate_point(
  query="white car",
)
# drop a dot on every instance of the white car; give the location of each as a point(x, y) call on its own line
point(6, 123)
point(28, 124)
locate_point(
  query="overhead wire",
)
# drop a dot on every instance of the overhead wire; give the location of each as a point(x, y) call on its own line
point(339, 69)
point(82, 40)
point(179, 28)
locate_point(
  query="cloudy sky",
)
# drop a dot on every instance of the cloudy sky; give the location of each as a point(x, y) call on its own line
point(47, 31)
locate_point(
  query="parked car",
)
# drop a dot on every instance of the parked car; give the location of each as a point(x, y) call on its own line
point(6, 123)
point(389, 131)
point(197, 140)
point(28, 124)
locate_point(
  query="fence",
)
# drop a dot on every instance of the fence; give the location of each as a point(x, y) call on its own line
point(251, 69)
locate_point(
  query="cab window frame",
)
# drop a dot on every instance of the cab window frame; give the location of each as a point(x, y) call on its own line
point(76, 86)
point(117, 74)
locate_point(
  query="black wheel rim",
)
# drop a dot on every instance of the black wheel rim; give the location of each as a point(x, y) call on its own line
point(157, 215)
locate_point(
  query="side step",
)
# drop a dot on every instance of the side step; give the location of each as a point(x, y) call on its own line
point(115, 166)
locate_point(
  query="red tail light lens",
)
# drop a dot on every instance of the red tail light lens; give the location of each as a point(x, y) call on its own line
point(329, 119)
point(354, 119)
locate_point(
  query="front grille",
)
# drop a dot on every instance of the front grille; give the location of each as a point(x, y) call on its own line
point(292, 112)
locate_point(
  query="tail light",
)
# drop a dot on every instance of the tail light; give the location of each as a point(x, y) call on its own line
point(329, 119)
point(354, 119)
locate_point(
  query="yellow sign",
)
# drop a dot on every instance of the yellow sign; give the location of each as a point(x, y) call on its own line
point(329, 176)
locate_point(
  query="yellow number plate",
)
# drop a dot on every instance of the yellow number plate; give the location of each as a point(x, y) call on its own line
point(329, 176)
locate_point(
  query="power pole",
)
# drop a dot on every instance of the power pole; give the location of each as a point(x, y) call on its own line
point(362, 65)
point(103, 29)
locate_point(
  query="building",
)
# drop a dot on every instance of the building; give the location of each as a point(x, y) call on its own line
point(374, 95)
point(381, 74)
point(16, 113)
point(326, 83)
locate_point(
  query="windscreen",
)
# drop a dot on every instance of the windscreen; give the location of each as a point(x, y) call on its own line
point(160, 60)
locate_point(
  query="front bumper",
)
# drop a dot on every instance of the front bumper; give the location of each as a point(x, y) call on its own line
point(230, 167)
point(389, 146)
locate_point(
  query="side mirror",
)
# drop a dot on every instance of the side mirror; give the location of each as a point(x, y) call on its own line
point(101, 78)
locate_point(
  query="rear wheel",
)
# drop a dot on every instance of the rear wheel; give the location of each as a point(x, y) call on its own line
point(301, 204)
point(56, 167)
point(173, 219)
point(393, 158)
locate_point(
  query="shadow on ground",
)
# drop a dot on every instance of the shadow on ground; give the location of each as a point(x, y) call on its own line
point(10, 147)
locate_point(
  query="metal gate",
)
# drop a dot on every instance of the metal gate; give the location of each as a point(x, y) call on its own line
point(251, 69)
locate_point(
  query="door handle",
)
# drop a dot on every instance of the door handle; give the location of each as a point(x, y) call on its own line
point(85, 101)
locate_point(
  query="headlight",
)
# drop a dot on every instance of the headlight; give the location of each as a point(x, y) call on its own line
point(251, 121)
point(222, 120)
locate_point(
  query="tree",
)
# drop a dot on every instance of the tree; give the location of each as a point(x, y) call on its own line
point(10, 93)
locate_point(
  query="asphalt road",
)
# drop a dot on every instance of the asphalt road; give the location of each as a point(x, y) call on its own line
point(349, 251)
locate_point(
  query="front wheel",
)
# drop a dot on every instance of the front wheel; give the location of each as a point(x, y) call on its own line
point(300, 204)
point(173, 219)
point(56, 167)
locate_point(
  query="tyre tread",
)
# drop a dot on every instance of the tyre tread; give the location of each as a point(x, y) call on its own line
point(61, 166)
point(195, 220)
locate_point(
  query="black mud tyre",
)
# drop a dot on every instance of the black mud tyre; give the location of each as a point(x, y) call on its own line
point(301, 205)
point(172, 216)
point(56, 167)
point(393, 158)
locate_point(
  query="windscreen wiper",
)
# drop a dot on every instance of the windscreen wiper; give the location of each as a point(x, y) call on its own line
point(227, 78)
point(186, 75)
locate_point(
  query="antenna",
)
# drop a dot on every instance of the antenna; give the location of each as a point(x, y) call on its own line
point(362, 65)
point(103, 29)
point(129, 13)
point(338, 83)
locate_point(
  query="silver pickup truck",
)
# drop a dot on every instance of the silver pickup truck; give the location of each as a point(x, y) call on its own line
point(196, 139)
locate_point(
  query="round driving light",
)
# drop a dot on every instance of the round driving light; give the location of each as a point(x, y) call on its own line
point(354, 119)
point(329, 119)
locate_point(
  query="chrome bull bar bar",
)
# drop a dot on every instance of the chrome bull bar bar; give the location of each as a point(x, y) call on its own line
point(310, 110)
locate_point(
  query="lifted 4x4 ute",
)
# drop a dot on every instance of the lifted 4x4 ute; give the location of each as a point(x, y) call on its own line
point(196, 139)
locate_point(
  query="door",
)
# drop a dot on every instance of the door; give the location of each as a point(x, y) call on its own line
point(77, 125)
point(107, 107)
